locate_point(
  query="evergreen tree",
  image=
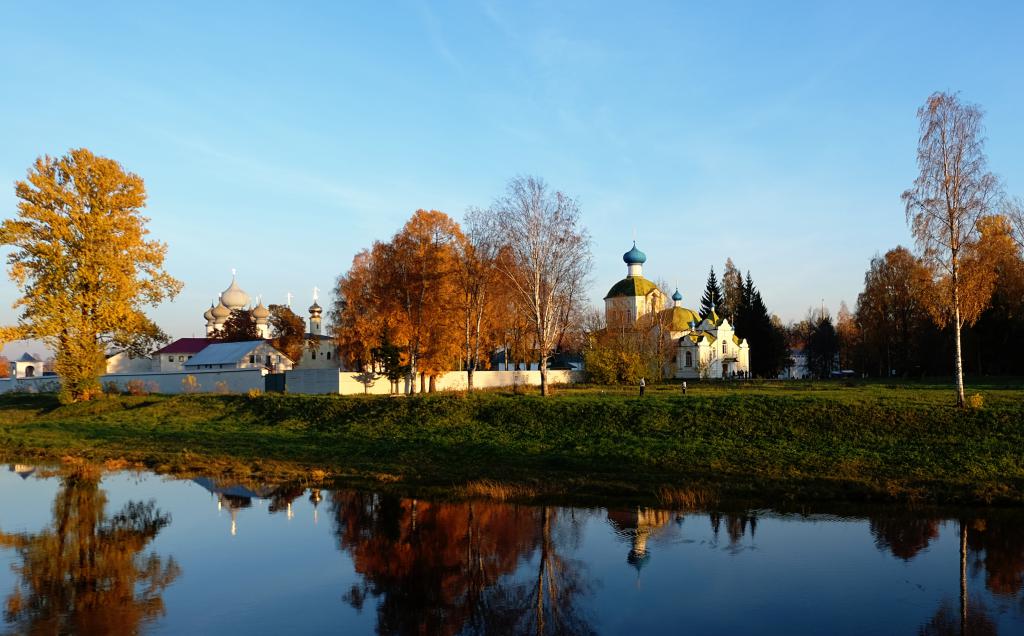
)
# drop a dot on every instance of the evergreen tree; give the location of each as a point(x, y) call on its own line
point(768, 349)
point(712, 298)
point(822, 347)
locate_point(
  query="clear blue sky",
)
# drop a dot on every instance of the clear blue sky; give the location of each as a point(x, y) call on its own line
point(280, 140)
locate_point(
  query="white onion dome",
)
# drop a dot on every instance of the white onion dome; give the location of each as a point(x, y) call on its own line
point(221, 311)
point(260, 313)
point(315, 309)
point(234, 297)
point(208, 314)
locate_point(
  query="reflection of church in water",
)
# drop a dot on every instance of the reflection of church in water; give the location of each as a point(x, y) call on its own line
point(235, 497)
point(637, 525)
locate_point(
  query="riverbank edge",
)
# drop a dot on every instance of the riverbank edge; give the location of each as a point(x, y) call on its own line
point(667, 451)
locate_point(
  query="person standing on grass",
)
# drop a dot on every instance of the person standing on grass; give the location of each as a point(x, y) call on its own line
point(642, 385)
point(684, 387)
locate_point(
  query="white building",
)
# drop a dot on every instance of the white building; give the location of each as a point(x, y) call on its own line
point(249, 354)
point(123, 362)
point(27, 366)
point(703, 347)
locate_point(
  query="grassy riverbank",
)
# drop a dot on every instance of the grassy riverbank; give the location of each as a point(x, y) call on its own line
point(801, 441)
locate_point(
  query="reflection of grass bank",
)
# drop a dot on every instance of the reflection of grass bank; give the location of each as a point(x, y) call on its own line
point(806, 442)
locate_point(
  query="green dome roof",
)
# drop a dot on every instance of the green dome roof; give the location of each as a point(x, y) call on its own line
point(679, 318)
point(630, 287)
point(634, 256)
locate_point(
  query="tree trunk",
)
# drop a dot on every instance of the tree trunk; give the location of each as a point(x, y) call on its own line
point(963, 577)
point(544, 374)
point(956, 342)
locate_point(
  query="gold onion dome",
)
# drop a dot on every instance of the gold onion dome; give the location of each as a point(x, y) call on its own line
point(315, 308)
point(234, 297)
point(260, 312)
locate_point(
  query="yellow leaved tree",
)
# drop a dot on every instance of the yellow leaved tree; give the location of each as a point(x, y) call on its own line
point(80, 256)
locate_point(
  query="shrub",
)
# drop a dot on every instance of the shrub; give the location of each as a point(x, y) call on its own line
point(137, 387)
point(189, 384)
point(111, 388)
point(221, 387)
point(254, 393)
point(975, 401)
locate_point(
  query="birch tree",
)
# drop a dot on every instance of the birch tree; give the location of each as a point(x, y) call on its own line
point(477, 254)
point(953, 191)
point(545, 258)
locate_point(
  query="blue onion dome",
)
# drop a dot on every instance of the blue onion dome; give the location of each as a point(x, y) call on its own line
point(634, 256)
point(677, 296)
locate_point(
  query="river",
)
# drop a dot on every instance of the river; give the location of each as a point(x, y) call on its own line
point(84, 551)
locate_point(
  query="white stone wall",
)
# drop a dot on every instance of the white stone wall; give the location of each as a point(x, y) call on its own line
point(347, 383)
point(234, 380)
point(42, 384)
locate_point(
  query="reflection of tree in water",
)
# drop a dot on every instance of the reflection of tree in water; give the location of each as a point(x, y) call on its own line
point(948, 622)
point(445, 568)
point(736, 525)
point(903, 535)
point(85, 574)
point(998, 547)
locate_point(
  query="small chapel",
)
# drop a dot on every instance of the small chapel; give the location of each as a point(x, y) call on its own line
point(702, 346)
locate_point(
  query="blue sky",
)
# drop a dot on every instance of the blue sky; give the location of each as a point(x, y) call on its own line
point(279, 140)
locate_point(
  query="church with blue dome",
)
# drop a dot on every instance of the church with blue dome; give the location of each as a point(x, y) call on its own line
point(699, 346)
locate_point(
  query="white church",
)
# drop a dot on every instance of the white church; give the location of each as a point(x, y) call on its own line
point(703, 347)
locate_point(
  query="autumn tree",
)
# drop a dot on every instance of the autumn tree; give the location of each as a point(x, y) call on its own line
point(240, 326)
point(998, 335)
point(80, 256)
point(421, 274)
point(732, 290)
point(892, 311)
point(287, 330)
point(407, 289)
point(712, 298)
point(358, 317)
point(849, 337)
point(5, 367)
point(545, 258)
point(952, 192)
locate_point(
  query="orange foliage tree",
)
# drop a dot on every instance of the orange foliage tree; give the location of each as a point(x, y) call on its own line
point(404, 292)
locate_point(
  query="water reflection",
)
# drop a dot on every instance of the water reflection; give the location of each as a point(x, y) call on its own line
point(444, 568)
point(475, 567)
point(86, 574)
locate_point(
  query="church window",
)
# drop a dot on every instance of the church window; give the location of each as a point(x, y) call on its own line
point(328, 355)
point(170, 358)
point(723, 349)
point(312, 355)
point(689, 359)
point(252, 359)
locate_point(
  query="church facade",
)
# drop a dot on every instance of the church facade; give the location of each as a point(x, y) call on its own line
point(701, 347)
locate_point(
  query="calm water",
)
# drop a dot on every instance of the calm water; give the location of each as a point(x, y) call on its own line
point(133, 552)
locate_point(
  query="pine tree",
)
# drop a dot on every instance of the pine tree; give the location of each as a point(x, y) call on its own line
point(712, 298)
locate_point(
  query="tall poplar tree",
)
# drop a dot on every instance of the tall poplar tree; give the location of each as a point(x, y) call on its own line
point(80, 257)
point(953, 191)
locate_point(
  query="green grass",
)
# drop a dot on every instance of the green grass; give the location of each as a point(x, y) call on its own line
point(801, 441)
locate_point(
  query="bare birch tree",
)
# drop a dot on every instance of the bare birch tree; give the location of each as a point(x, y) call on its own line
point(952, 192)
point(545, 258)
point(1014, 211)
point(478, 252)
